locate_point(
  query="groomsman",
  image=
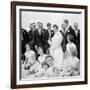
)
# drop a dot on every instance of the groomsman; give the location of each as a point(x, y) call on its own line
point(67, 29)
point(49, 35)
point(50, 32)
point(24, 40)
point(77, 38)
point(31, 35)
point(38, 35)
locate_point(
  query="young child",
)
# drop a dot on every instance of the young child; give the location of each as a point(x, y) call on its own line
point(42, 56)
point(29, 57)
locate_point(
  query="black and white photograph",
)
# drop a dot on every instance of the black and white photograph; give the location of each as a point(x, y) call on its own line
point(49, 44)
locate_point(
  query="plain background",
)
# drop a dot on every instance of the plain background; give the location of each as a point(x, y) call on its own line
point(53, 18)
point(5, 44)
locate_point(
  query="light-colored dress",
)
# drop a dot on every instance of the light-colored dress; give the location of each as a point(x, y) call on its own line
point(56, 49)
point(70, 61)
point(30, 56)
point(41, 59)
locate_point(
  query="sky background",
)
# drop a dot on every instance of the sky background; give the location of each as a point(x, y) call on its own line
point(54, 18)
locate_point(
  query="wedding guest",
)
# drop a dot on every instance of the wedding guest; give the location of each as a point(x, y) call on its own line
point(77, 42)
point(50, 31)
point(38, 35)
point(45, 39)
point(67, 29)
point(50, 34)
point(24, 40)
point(29, 57)
point(50, 61)
point(42, 56)
point(42, 72)
point(31, 35)
point(70, 60)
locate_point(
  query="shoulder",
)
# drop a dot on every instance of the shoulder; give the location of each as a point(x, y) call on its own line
point(73, 45)
point(76, 59)
point(25, 53)
point(32, 52)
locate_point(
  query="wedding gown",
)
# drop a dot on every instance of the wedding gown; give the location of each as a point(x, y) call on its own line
point(56, 49)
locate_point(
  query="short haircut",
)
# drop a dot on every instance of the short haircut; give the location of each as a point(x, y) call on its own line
point(55, 26)
point(44, 63)
point(66, 21)
point(40, 47)
point(71, 37)
point(29, 45)
point(48, 24)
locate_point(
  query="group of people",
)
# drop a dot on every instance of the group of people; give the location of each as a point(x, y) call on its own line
point(50, 52)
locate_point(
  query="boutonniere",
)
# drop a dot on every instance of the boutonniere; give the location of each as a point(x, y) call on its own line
point(68, 31)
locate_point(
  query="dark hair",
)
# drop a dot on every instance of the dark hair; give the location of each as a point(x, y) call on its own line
point(71, 37)
point(66, 21)
point(29, 45)
point(40, 47)
point(73, 51)
point(48, 24)
point(49, 56)
point(44, 63)
point(55, 26)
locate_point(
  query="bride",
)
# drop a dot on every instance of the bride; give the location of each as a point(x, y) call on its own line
point(55, 48)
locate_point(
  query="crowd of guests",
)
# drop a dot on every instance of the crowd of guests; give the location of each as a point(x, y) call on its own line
point(51, 52)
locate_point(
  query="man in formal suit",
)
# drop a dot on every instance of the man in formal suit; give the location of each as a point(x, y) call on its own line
point(24, 40)
point(77, 38)
point(50, 32)
point(67, 29)
point(31, 35)
point(38, 36)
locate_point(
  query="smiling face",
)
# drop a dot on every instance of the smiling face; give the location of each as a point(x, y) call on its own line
point(55, 28)
point(50, 61)
point(75, 26)
point(40, 51)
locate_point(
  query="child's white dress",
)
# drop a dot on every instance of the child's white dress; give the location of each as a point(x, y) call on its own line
point(30, 56)
point(41, 59)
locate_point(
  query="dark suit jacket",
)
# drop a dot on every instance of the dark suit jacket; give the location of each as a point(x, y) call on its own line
point(64, 42)
point(31, 35)
point(52, 33)
point(38, 38)
point(24, 35)
point(77, 42)
point(42, 39)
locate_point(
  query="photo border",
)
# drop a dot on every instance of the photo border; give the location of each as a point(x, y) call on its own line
point(13, 43)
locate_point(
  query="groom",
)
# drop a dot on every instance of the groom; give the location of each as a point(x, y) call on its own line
point(67, 29)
